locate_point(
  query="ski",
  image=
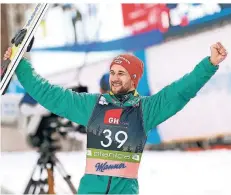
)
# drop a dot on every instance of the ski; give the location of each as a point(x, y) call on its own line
point(20, 43)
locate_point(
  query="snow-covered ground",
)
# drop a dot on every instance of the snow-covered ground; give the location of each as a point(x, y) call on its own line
point(161, 173)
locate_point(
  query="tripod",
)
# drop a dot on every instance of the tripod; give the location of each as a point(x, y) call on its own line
point(47, 162)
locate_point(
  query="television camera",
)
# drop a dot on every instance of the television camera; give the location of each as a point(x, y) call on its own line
point(44, 139)
point(47, 145)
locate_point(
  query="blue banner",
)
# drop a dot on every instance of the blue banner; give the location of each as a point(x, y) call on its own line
point(193, 16)
point(131, 43)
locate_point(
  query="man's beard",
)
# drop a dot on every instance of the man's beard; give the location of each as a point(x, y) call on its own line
point(121, 90)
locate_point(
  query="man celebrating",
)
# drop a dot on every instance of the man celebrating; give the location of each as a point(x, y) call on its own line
point(118, 122)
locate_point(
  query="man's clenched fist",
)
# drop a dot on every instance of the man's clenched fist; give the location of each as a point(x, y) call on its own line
point(218, 53)
point(7, 53)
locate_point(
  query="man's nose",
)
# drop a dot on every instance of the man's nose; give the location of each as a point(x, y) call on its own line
point(115, 77)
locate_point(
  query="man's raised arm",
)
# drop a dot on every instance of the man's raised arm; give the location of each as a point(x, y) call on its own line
point(76, 107)
point(171, 99)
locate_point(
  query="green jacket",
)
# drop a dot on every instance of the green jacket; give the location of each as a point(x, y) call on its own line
point(78, 108)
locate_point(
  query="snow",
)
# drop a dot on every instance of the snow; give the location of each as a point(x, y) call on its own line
point(162, 173)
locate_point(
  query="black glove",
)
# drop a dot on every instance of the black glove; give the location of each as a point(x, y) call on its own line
point(18, 38)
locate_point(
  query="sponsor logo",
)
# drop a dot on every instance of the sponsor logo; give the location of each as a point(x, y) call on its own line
point(103, 101)
point(118, 61)
point(89, 153)
point(33, 15)
point(114, 156)
point(113, 116)
point(120, 57)
point(183, 14)
point(101, 167)
point(136, 157)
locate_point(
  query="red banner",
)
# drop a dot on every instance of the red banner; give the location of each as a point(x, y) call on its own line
point(146, 17)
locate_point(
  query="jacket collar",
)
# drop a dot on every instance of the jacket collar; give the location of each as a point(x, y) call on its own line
point(131, 100)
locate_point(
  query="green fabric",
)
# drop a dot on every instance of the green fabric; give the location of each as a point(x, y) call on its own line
point(172, 98)
point(94, 184)
point(76, 107)
point(79, 107)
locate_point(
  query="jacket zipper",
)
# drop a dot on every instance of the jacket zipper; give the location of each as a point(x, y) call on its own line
point(109, 184)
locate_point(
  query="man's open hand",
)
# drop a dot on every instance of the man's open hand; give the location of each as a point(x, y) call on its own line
point(218, 53)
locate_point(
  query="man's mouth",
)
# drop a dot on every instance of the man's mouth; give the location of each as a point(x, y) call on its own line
point(116, 84)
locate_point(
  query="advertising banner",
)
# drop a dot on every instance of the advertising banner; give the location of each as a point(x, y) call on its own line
point(209, 113)
point(145, 17)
